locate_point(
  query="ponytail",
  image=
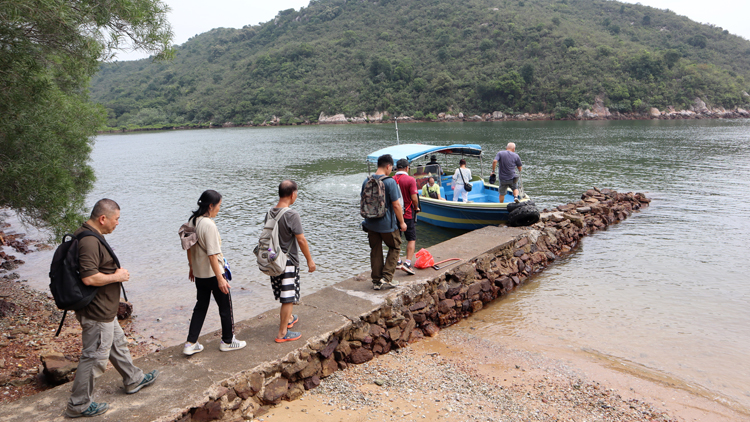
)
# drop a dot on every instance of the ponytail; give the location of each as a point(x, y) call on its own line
point(209, 197)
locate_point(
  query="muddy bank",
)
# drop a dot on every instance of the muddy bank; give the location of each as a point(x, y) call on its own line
point(29, 320)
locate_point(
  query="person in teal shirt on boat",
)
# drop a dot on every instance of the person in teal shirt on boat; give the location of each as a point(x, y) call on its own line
point(431, 189)
point(386, 229)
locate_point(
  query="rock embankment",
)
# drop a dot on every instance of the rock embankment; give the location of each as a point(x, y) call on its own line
point(417, 310)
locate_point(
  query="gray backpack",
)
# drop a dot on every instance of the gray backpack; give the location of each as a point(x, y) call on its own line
point(271, 259)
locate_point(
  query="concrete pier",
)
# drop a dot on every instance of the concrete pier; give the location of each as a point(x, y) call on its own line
point(347, 323)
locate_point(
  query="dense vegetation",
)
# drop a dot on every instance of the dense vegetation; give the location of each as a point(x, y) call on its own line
point(48, 52)
point(419, 57)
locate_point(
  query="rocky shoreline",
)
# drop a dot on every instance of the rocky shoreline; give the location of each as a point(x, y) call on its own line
point(32, 359)
point(698, 110)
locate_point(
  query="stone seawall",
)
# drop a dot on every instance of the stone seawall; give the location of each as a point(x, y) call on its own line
point(416, 310)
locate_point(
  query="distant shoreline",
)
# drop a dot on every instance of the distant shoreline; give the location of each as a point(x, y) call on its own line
point(581, 115)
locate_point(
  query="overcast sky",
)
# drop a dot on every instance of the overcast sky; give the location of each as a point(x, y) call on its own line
point(192, 17)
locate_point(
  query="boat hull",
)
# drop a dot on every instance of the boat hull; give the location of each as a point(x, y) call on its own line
point(459, 215)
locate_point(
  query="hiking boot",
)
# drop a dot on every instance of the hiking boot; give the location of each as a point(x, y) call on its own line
point(393, 283)
point(94, 409)
point(147, 380)
point(234, 345)
point(192, 348)
point(377, 285)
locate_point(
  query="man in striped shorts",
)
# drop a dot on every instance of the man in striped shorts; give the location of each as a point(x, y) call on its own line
point(292, 240)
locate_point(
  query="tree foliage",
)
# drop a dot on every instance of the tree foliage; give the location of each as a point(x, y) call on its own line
point(434, 56)
point(48, 52)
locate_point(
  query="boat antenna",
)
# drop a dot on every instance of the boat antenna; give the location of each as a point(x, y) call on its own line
point(395, 119)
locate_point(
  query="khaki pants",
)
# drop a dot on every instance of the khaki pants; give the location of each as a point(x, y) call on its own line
point(381, 271)
point(102, 341)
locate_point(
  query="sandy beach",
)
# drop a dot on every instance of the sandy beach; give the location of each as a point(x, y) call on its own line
point(459, 376)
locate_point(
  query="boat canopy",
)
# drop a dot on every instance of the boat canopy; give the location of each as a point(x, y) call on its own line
point(415, 151)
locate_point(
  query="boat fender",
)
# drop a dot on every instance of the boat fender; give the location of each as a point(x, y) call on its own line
point(514, 205)
point(525, 215)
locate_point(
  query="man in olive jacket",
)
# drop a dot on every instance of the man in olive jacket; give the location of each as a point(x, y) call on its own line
point(103, 338)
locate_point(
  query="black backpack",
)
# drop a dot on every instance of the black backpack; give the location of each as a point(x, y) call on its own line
point(69, 291)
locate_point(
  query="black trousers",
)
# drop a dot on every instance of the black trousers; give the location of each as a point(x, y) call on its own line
point(206, 287)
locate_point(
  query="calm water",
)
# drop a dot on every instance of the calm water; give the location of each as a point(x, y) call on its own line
point(668, 289)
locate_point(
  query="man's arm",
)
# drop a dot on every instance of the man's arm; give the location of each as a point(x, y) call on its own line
point(100, 279)
point(399, 215)
point(519, 169)
point(494, 164)
point(415, 201)
point(305, 248)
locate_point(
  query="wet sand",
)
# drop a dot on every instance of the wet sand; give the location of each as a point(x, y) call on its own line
point(460, 376)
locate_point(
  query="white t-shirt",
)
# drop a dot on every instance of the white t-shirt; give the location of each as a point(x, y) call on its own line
point(457, 180)
point(209, 243)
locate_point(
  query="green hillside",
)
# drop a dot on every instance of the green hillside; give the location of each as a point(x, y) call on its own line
point(418, 57)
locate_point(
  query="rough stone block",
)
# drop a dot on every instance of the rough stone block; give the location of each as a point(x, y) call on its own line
point(476, 305)
point(474, 289)
point(333, 342)
point(294, 391)
point(376, 330)
point(394, 333)
point(446, 305)
point(417, 306)
point(312, 368)
point(275, 390)
point(311, 382)
point(361, 355)
point(430, 329)
point(328, 367)
point(211, 411)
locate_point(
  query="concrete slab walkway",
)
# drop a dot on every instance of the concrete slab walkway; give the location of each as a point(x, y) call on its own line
point(186, 381)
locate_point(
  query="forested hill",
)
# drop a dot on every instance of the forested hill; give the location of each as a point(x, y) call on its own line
point(417, 57)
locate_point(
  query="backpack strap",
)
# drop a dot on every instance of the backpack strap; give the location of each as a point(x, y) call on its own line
point(87, 233)
point(59, 327)
point(276, 221)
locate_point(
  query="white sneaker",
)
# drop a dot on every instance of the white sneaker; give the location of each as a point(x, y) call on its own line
point(192, 348)
point(234, 345)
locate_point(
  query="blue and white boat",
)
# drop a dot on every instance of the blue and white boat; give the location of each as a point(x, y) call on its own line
point(484, 207)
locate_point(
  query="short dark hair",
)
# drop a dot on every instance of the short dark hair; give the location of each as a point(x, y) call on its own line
point(402, 163)
point(104, 207)
point(287, 188)
point(385, 160)
point(462, 162)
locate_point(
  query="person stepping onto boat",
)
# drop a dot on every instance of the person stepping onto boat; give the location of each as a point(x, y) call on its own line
point(408, 187)
point(507, 162)
point(386, 229)
point(291, 240)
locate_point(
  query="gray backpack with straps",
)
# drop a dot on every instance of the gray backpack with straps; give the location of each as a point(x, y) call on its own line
point(271, 259)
